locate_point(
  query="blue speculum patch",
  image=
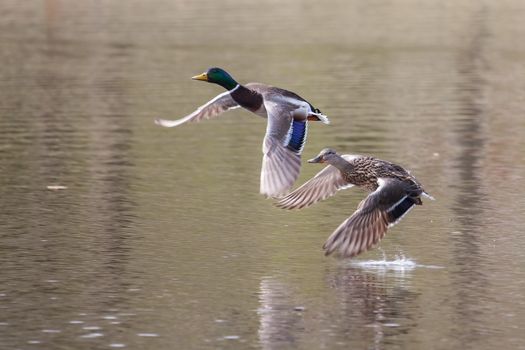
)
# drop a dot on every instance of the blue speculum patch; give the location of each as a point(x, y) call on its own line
point(402, 208)
point(297, 136)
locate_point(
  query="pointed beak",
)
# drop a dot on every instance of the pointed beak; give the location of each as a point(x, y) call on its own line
point(318, 159)
point(202, 77)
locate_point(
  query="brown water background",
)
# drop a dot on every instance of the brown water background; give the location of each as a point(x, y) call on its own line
point(161, 241)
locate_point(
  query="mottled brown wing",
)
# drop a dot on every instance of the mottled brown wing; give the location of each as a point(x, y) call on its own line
point(323, 185)
point(211, 109)
point(369, 223)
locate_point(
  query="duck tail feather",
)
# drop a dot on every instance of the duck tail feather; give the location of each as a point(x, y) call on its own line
point(428, 196)
point(320, 117)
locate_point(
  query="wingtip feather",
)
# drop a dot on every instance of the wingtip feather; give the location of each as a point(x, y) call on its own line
point(166, 123)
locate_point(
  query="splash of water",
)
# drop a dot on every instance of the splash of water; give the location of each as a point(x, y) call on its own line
point(399, 263)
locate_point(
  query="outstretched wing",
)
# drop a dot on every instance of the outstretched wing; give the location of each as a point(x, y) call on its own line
point(323, 185)
point(280, 168)
point(281, 149)
point(368, 224)
point(212, 109)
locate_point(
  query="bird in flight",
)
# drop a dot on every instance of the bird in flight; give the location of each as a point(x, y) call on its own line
point(287, 113)
point(393, 193)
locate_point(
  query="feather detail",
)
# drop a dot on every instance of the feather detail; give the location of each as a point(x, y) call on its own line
point(428, 196)
point(296, 137)
point(319, 117)
point(324, 184)
point(280, 168)
point(383, 208)
point(399, 210)
point(213, 108)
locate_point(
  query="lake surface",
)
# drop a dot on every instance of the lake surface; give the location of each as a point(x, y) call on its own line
point(159, 239)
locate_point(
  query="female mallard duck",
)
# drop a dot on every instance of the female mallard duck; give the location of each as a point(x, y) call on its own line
point(287, 113)
point(393, 193)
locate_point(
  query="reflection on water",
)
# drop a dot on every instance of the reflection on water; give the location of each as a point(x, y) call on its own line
point(384, 304)
point(159, 236)
point(470, 278)
point(281, 322)
point(365, 310)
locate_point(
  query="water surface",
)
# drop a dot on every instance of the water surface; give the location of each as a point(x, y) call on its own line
point(160, 240)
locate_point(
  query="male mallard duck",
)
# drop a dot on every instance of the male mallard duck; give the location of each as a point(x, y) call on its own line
point(393, 193)
point(288, 115)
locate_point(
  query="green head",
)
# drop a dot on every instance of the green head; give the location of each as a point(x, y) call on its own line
point(217, 76)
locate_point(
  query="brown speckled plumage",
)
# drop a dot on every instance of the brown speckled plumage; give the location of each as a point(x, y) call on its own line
point(394, 191)
point(365, 171)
